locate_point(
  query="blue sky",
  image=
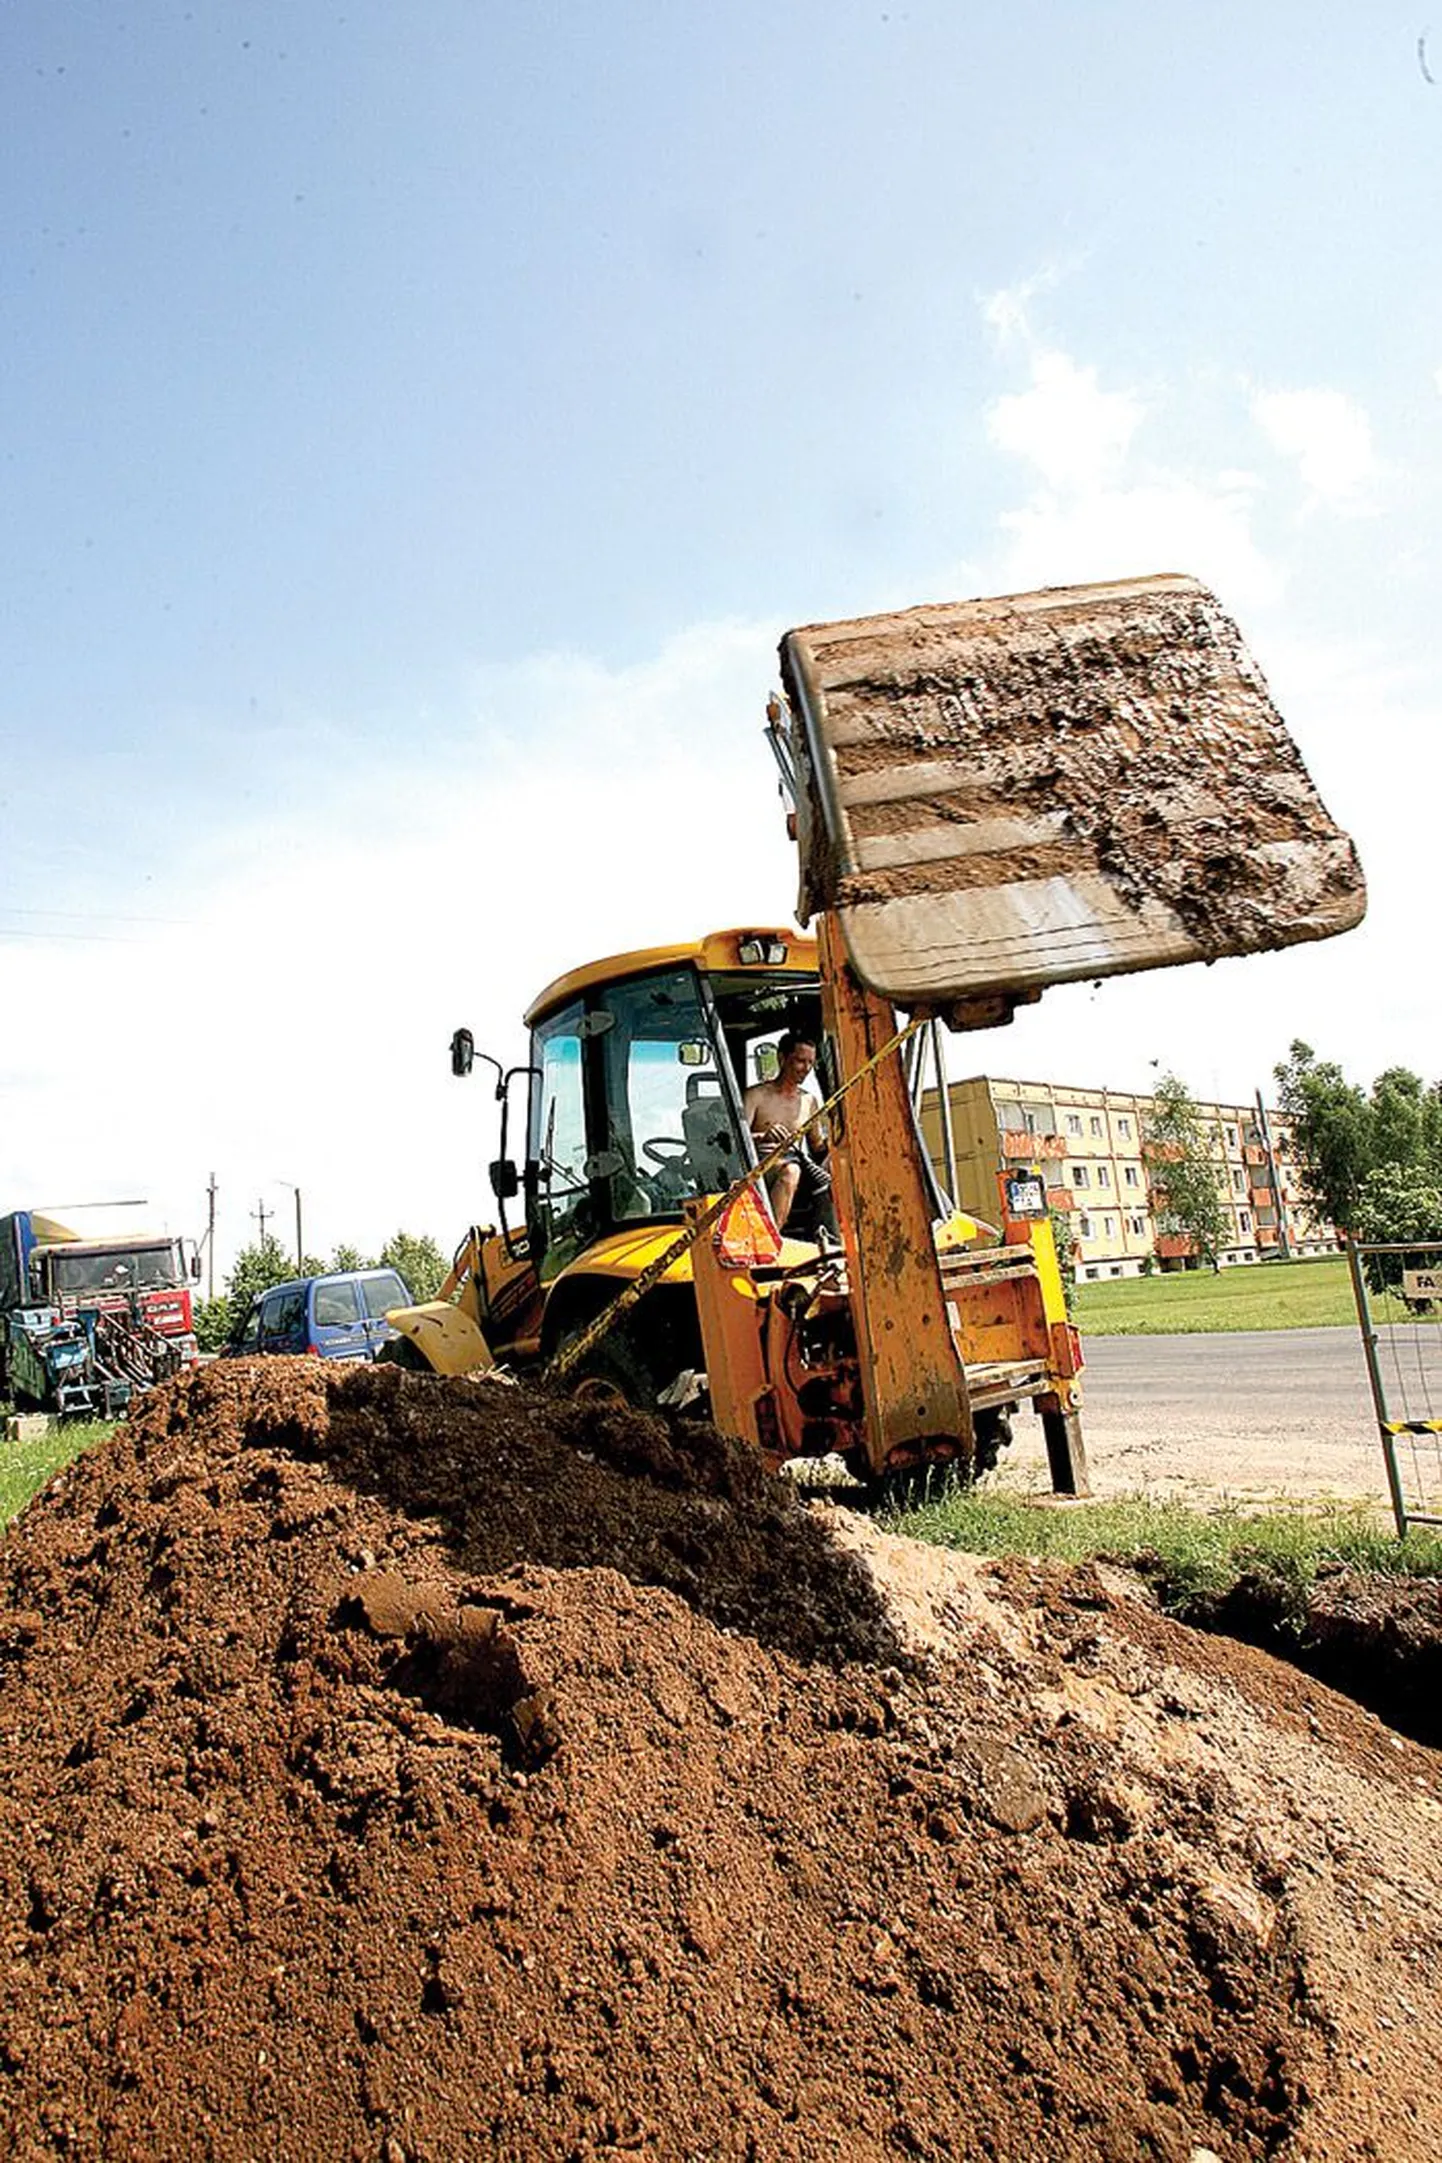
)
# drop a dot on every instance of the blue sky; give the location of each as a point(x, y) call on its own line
point(419, 427)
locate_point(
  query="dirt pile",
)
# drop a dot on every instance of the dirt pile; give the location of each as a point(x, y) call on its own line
point(407, 1770)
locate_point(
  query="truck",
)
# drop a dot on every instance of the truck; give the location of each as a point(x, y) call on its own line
point(988, 798)
point(85, 1324)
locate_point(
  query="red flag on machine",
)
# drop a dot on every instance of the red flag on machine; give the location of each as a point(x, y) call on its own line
point(746, 1236)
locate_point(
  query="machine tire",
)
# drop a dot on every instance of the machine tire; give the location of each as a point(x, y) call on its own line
point(908, 1485)
point(613, 1372)
point(993, 1435)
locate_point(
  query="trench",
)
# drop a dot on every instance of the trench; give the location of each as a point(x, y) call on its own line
point(1376, 1640)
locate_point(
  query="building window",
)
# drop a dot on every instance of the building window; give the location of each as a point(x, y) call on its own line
point(1244, 1220)
point(1080, 1176)
point(1096, 1124)
point(1084, 1227)
point(1109, 1227)
point(1131, 1175)
point(1239, 1182)
point(1231, 1137)
point(1104, 1175)
point(1073, 1122)
point(1124, 1128)
point(1139, 1226)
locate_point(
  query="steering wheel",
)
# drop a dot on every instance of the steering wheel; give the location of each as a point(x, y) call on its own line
point(665, 1149)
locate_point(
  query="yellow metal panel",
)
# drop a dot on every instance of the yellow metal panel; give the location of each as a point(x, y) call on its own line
point(445, 1336)
point(716, 951)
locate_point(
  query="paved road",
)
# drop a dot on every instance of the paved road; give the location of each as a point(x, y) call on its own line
point(1269, 1412)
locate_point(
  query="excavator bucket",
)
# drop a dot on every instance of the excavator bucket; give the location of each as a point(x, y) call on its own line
point(997, 795)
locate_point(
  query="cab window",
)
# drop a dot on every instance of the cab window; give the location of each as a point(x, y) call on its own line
point(557, 1148)
point(670, 1133)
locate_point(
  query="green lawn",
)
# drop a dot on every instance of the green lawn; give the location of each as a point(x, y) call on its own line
point(1190, 1556)
point(26, 1466)
point(1263, 1295)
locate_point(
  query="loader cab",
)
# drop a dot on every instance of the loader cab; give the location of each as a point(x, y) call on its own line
point(638, 1068)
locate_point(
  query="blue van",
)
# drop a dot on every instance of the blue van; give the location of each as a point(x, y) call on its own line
point(336, 1317)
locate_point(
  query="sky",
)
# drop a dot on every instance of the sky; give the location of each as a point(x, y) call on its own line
point(419, 426)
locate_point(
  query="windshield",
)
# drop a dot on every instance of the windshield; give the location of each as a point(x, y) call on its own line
point(142, 1269)
point(629, 1114)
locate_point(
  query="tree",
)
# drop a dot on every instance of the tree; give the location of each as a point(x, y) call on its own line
point(346, 1257)
point(212, 1322)
point(1065, 1238)
point(1332, 1130)
point(1343, 1134)
point(1186, 1181)
point(419, 1261)
point(1395, 1202)
point(256, 1268)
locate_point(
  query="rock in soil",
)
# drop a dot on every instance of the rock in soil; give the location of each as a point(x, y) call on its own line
point(402, 1769)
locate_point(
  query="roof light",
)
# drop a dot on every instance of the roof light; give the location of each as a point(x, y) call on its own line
point(753, 951)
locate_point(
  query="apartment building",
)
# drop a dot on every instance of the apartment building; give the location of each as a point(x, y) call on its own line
point(1090, 1146)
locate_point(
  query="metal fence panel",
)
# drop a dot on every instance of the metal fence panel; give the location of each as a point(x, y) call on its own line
point(1398, 1289)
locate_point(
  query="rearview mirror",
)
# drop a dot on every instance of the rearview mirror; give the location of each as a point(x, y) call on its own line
point(505, 1180)
point(463, 1053)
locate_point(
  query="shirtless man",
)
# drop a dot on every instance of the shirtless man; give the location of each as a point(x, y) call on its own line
point(779, 1108)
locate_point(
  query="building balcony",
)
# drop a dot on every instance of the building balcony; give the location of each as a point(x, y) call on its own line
point(1172, 1246)
point(1016, 1145)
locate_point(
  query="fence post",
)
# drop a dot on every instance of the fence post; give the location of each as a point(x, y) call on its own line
point(1374, 1377)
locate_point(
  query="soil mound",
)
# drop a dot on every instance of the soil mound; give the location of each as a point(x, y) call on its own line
point(406, 1770)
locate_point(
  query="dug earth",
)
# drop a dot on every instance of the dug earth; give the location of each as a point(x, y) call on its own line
point(402, 1769)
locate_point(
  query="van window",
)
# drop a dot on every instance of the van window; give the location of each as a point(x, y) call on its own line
point(336, 1303)
point(282, 1314)
point(381, 1293)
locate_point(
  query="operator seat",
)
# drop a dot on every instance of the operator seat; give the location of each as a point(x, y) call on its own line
point(706, 1126)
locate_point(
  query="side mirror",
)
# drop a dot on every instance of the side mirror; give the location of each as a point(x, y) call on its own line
point(505, 1180)
point(195, 1265)
point(463, 1053)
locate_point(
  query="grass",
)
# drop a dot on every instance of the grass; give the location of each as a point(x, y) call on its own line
point(1191, 1557)
point(1265, 1295)
point(26, 1466)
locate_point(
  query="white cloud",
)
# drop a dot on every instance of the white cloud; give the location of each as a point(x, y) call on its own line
point(1166, 524)
point(1064, 424)
point(1330, 438)
point(295, 1027)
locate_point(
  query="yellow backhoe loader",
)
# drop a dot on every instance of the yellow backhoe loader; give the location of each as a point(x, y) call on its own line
point(987, 798)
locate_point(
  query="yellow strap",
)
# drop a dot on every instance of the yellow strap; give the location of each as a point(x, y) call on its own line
point(569, 1355)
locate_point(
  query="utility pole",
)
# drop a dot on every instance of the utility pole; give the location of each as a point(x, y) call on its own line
point(210, 1240)
point(260, 1213)
point(299, 1240)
